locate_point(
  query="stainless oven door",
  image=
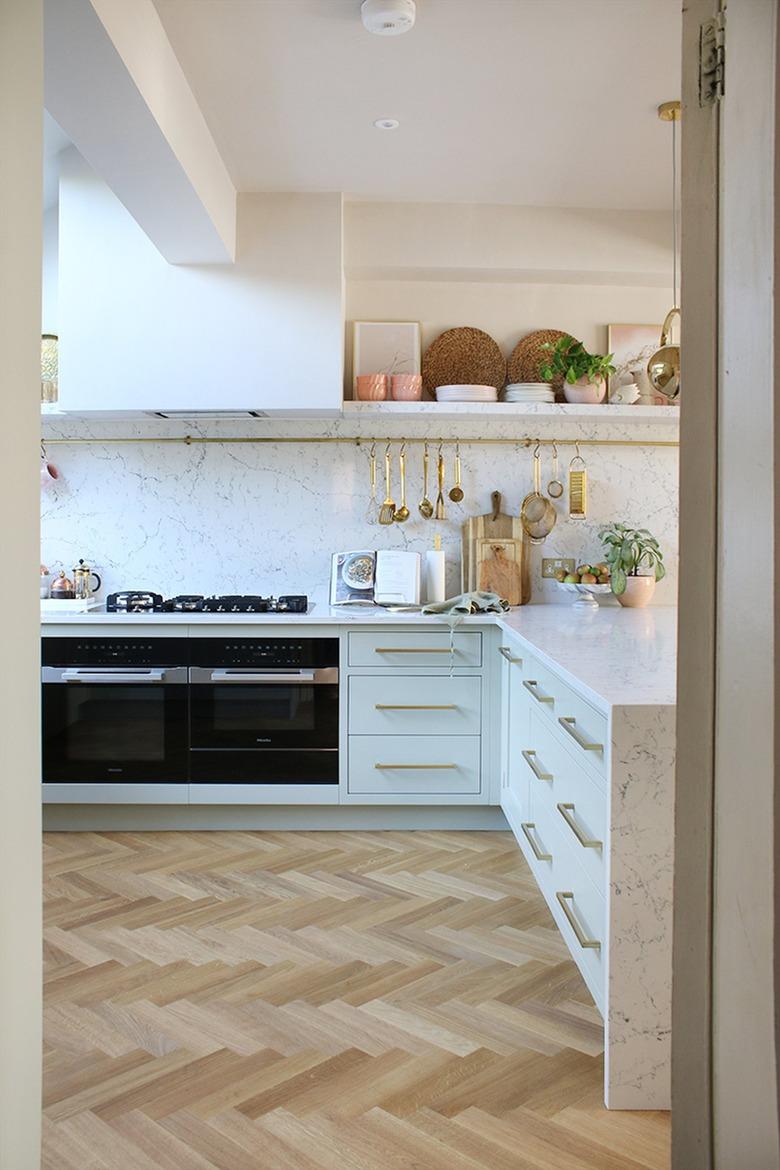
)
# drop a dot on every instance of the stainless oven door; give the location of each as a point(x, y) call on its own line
point(264, 726)
point(104, 724)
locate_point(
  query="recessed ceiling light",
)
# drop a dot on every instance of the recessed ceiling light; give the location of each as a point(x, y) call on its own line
point(387, 123)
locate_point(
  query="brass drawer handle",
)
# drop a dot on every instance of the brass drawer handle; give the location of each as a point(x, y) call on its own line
point(415, 707)
point(586, 943)
point(505, 652)
point(532, 685)
point(414, 650)
point(566, 811)
point(569, 724)
point(411, 767)
point(534, 847)
point(530, 759)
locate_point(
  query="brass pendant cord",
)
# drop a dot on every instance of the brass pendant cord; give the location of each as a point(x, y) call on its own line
point(361, 441)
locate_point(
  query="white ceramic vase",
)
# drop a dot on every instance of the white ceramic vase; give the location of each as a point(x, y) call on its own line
point(584, 392)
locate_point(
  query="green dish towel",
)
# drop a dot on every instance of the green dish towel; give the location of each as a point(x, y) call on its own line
point(467, 603)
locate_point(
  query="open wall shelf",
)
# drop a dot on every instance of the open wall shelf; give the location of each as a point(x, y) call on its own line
point(512, 412)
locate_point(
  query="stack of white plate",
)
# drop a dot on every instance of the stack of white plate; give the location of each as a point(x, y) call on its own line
point(529, 392)
point(466, 393)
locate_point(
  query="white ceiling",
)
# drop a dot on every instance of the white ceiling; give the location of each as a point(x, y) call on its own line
point(500, 101)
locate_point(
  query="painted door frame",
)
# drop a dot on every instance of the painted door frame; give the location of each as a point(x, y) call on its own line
point(724, 1078)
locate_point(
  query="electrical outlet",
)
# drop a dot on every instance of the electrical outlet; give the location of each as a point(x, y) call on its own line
point(551, 565)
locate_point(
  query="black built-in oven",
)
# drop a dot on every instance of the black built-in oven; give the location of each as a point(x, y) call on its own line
point(264, 710)
point(115, 710)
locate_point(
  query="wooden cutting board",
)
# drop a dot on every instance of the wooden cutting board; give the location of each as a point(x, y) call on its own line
point(493, 555)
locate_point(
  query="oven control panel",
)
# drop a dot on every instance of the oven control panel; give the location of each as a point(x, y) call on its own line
point(265, 652)
point(115, 651)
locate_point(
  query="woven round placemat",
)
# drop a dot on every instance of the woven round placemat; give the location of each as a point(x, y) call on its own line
point(528, 357)
point(463, 356)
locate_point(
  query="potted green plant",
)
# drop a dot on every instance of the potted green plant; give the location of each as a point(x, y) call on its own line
point(635, 561)
point(584, 375)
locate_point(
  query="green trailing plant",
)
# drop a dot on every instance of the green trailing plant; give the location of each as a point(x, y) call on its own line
point(570, 360)
point(627, 550)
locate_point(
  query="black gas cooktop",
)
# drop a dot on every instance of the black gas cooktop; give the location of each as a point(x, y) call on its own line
point(146, 601)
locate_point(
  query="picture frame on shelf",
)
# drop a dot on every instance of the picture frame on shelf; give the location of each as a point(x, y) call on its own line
point(385, 347)
point(631, 345)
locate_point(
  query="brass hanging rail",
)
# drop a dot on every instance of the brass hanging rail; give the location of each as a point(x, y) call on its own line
point(363, 440)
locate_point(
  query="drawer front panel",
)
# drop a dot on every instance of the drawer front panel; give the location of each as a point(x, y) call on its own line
point(580, 726)
point(582, 917)
point(414, 764)
point(574, 801)
point(419, 648)
point(400, 704)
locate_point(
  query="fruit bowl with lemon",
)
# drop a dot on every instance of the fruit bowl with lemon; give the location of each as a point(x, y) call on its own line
point(587, 581)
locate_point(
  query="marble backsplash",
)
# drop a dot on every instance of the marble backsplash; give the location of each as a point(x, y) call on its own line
point(223, 517)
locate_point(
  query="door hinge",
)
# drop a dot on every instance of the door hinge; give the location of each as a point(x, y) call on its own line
point(712, 60)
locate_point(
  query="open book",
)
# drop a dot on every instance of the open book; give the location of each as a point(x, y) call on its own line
point(386, 577)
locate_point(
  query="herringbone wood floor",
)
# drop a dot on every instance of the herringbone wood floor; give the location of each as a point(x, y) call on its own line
point(317, 1001)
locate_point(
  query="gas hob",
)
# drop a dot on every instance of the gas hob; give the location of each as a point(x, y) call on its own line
point(145, 601)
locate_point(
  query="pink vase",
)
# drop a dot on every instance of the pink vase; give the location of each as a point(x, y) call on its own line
point(638, 592)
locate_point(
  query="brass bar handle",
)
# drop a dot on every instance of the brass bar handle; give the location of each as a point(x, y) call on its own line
point(412, 650)
point(532, 685)
point(530, 759)
point(537, 852)
point(564, 897)
point(415, 707)
point(566, 811)
point(411, 767)
point(505, 652)
point(569, 724)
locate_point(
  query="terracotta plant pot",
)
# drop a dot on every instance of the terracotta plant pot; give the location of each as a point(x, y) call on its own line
point(638, 593)
point(585, 392)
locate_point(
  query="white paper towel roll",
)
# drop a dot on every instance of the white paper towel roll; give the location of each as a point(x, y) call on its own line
point(434, 575)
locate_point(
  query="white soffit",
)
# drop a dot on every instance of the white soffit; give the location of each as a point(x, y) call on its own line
point(115, 87)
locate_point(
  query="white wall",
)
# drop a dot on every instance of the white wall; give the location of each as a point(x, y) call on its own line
point(137, 332)
point(507, 270)
point(21, 107)
point(548, 243)
point(50, 285)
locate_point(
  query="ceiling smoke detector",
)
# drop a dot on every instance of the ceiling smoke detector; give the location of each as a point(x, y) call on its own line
point(388, 18)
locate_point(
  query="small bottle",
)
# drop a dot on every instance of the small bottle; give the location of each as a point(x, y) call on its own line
point(435, 572)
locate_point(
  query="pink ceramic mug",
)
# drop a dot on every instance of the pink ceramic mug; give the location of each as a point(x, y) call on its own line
point(406, 387)
point(371, 387)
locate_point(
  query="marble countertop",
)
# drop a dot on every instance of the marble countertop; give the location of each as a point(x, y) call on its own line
point(615, 657)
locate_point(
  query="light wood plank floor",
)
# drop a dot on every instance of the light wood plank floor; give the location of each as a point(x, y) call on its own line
point(317, 1001)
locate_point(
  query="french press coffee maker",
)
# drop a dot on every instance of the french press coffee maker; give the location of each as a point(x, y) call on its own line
point(82, 581)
